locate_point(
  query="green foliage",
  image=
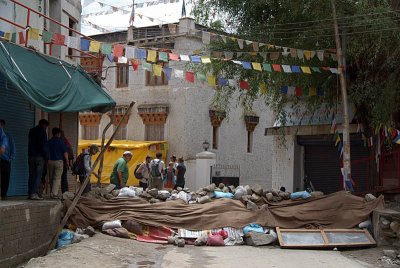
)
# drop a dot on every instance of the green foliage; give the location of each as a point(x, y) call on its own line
point(370, 32)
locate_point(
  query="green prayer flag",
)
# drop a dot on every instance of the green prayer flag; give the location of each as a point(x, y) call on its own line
point(201, 77)
point(46, 36)
point(315, 69)
point(146, 66)
point(163, 56)
point(106, 48)
point(267, 67)
point(305, 91)
point(14, 37)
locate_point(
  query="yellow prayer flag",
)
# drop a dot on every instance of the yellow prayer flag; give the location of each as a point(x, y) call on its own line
point(211, 80)
point(152, 55)
point(306, 69)
point(263, 88)
point(256, 66)
point(340, 70)
point(270, 46)
point(313, 91)
point(7, 36)
point(307, 54)
point(94, 46)
point(33, 34)
point(205, 59)
point(253, 53)
point(157, 69)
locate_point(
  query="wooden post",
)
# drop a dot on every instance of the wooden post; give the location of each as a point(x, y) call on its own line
point(343, 87)
point(103, 138)
point(86, 181)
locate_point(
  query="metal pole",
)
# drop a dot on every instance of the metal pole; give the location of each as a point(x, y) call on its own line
point(346, 123)
point(86, 181)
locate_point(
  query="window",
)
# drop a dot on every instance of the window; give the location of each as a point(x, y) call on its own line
point(72, 25)
point(90, 132)
point(215, 138)
point(152, 80)
point(249, 141)
point(122, 75)
point(154, 132)
point(122, 132)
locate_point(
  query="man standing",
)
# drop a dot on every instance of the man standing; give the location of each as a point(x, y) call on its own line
point(7, 154)
point(57, 155)
point(120, 174)
point(157, 170)
point(70, 151)
point(37, 153)
point(144, 169)
point(87, 166)
point(180, 174)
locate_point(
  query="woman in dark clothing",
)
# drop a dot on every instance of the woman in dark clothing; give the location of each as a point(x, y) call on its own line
point(180, 173)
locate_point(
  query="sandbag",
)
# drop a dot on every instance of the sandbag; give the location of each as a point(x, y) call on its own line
point(222, 195)
point(297, 195)
point(111, 225)
point(127, 192)
point(215, 240)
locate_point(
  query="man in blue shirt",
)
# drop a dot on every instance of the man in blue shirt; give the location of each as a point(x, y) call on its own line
point(37, 154)
point(7, 153)
point(57, 154)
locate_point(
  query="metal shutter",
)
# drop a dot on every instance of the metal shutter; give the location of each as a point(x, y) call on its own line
point(19, 115)
point(322, 162)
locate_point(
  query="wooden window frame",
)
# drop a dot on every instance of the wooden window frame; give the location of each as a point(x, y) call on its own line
point(90, 132)
point(147, 132)
point(122, 68)
point(158, 80)
point(215, 138)
point(250, 142)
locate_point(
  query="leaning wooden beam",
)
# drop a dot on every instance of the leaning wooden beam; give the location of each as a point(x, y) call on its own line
point(86, 181)
point(103, 138)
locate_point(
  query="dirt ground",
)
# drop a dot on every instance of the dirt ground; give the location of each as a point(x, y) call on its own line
point(106, 251)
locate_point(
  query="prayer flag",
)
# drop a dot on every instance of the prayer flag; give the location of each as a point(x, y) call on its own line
point(59, 39)
point(240, 43)
point(257, 66)
point(206, 37)
point(277, 68)
point(173, 56)
point(195, 59)
point(135, 64)
point(320, 54)
point(94, 46)
point(178, 73)
point(185, 58)
point(14, 37)
point(255, 46)
point(106, 48)
point(2, 33)
point(286, 68)
point(211, 79)
point(163, 56)
point(157, 69)
point(152, 55)
point(85, 44)
point(118, 50)
point(146, 66)
point(274, 55)
point(291, 90)
point(244, 85)
point(201, 77)
point(320, 92)
point(334, 70)
point(22, 38)
point(141, 53)
point(33, 34)
point(217, 54)
point(122, 60)
point(397, 139)
point(315, 69)
point(293, 52)
point(306, 69)
point(312, 91)
point(190, 77)
point(110, 57)
point(129, 52)
point(232, 82)
point(307, 54)
point(72, 42)
point(222, 82)
point(296, 69)
point(263, 88)
point(167, 71)
point(300, 54)
point(7, 36)
point(284, 90)
point(298, 91)
point(246, 65)
point(267, 67)
point(205, 59)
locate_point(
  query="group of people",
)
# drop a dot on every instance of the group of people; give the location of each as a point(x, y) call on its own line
point(54, 157)
point(154, 174)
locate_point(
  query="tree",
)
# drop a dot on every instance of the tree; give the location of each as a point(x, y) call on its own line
point(370, 30)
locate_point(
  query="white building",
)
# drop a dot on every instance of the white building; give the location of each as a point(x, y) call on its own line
point(180, 112)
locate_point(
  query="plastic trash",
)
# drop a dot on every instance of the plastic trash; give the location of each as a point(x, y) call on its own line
point(297, 195)
point(222, 195)
point(253, 227)
point(64, 239)
point(127, 192)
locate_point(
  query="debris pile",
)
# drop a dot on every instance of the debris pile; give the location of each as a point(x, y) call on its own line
point(386, 225)
point(248, 195)
point(390, 257)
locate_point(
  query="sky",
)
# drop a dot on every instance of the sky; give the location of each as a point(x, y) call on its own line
point(99, 16)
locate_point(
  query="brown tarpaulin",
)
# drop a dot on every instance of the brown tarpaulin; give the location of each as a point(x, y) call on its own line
point(338, 210)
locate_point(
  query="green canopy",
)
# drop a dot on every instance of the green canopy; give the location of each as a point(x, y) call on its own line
point(52, 84)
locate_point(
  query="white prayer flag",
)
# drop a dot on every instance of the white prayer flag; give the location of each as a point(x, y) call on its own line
point(122, 60)
point(286, 68)
point(184, 57)
point(178, 73)
point(129, 52)
point(72, 42)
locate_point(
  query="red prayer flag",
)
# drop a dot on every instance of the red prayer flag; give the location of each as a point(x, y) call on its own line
point(135, 64)
point(173, 56)
point(190, 77)
point(118, 50)
point(59, 39)
point(277, 68)
point(21, 38)
point(298, 91)
point(244, 84)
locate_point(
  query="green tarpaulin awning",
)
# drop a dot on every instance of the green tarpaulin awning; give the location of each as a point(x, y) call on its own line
point(51, 84)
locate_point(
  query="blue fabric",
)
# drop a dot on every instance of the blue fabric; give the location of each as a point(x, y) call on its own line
point(297, 195)
point(195, 59)
point(167, 72)
point(222, 195)
point(253, 227)
point(284, 90)
point(38, 145)
point(246, 65)
point(2, 33)
point(9, 154)
point(57, 148)
point(110, 57)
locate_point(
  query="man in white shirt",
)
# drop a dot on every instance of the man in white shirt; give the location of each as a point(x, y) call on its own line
point(157, 170)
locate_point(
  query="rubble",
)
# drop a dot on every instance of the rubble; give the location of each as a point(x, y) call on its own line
point(257, 189)
point(369, 197)
point(259, 239)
